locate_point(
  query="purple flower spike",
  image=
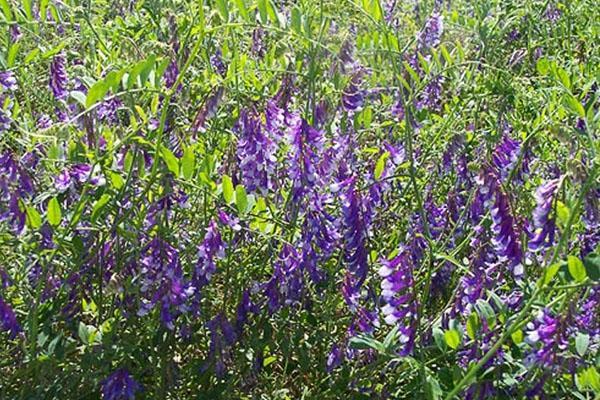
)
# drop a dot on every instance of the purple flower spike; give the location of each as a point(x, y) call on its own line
point(335, 358)
point(58, 77)
point(211, 249)
point(8, 81)
point(506, 155)
point(286, 284)
point(355, 235)
point(353, 97)
point(431, 96)
point(548, 338)
point(8, 320)
point(544, 227)
point(120, 385)
point(432, 31)
point(505, 240)
point(255, 152)
point(397, 292)
point(305, 145)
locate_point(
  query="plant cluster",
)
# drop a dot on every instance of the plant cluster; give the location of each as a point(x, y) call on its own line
point(265, 199)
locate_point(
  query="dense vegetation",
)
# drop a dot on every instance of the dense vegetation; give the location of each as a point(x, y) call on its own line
point(322, 199)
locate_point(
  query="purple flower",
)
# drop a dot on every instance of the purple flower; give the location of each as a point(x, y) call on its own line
point(255, 152)
point(319, 237)
point(431, 33)
point(431, 96)
point(506, 155)
point(397, 290)
point(211, 249)
point(15, 33)
point(228, 220)
point(286, 284)
point(334, 358)
point(107, 111)
point(244, 308)
point(81, 173)
point(44, 121)
point(547, 337)
point(216, 61)
point(586, 318)
point(552, 13)
point(258, 42)
point(171, 73)
point(355, 236)
point(222, 335)
point(544, 227)
point(305, 143)
point(208, 110)
point(590, 237)
point(58, 77)
point(353, 97)
point(8, 320)
point(8, 81)
point(505, 240)
point(63, 180)
point(161, 280)
point(120, 385)
point(398, 110)
point(5, 120)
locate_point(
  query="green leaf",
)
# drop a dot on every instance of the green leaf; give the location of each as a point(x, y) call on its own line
point(262, 10)
point(562, 212)
point(517, 336)
point(446, 55)
point(6, 10)
point(592, 266)
point(96, 93)
point(147, 67)
point(79, 97)
point(550, 272)
point(117, 180)
point(31, 55)
point(140, 70)
point(82, 331)
point(452, 338)
point(241, 5)
point(438, 337)
point(223, 9)
point(576, 268)
point(32, 217)
point(241, 199)
point(486, 311)
point(574, 105)
point(271, 12)
point(589, 378)
point(563, 76)
point(543, 66)
point(99, 206)
point(376, 10)
point(54, 213)
point(380, 166)
point(170, 159)
point(296, 20)
point(113, 79)
point(12, 54)
point(28, 10)
point(433, 391)
point(364, 342)
point(472, 325)
point(227, 186)
point(582, 342)
point(188, 162)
